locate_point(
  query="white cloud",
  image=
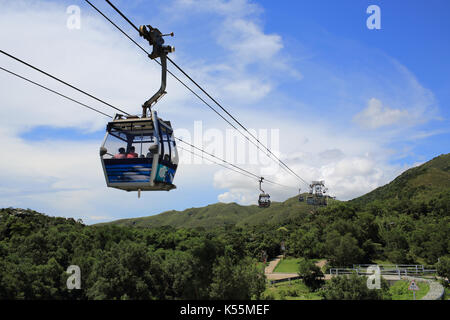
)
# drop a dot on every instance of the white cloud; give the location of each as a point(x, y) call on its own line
point(251, 60)
point(376, 115)
point(351, 165)
point(401, 102)
point(247, 41)
point(247, 89)
point(64, 177)
point(59, 176)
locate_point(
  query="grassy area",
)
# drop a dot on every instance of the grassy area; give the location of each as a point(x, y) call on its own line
point(297, 290)
point(447, 293)
point(288, 265)
point(399, 290)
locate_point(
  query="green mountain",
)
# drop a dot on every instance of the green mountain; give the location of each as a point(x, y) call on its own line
point(405, 222)
point(220, 214)
point(419, 183)
point(416, 184)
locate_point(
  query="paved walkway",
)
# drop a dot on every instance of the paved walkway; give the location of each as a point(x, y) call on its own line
point(436, 289)
point(321, 263)
point(279, 275)
point(272, 264)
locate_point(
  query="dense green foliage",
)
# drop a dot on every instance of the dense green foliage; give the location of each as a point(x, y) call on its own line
point(443, 268)
point(398, 231)
point(405, 221)
point(215, 254)
point(225, 214)
point(311, 274)
point(120, 262)
point(419, 183)
point(384, 224)
point(353, 287)
point(293, 290)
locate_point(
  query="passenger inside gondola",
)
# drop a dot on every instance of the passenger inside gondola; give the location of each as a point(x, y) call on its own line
point(145, 161)
point(131, 153)
point(121, 154)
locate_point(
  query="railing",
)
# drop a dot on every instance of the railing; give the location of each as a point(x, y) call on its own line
point(274, 281)
point(385, 269)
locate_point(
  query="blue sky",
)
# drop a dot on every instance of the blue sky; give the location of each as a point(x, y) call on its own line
point(353, 106)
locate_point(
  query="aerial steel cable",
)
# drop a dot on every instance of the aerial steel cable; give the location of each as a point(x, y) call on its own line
point(282, 164)
point(173, 75)
point(229, 163)
point(226, 167)
point(211, 155)
point(235, 120)
point(285, 167)
point(217, 163)
point(242, 171)
point(55, 92)
point(62, 81)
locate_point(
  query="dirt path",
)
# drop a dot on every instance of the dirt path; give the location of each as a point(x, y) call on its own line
point(321, 263)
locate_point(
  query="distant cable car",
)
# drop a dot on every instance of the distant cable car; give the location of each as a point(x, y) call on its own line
point(139, 153)
point(316, 194)
point(264, 198)
point(300, 197)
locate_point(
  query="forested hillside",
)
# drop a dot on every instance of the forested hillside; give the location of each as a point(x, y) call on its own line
point(223, 214)
point(416, 184)
point(120, 262)
point(218, 260)
point(420, 185)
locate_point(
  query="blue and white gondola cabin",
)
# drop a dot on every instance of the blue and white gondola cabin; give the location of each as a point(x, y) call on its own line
point(139, 154)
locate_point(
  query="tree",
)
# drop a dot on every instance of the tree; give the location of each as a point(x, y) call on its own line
point(343, 250)
point(311, 274)
point(178, 274)
point(353, 287)
point(304, 242)
point(127, 270)
point(443, 267)
point(236, 279)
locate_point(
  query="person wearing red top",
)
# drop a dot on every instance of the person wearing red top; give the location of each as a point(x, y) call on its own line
point(121, 154)
point(131, 153)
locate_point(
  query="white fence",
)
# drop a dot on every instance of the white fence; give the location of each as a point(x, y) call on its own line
point(386, 269)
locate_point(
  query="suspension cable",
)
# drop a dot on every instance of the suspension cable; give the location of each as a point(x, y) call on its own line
point(55, 92)
point(212, 161)
point(159, 63)
point(242, 171)
point(224, 161)
point(61, 81)
point(282, 164)
point(226, 167)
point(235, 120)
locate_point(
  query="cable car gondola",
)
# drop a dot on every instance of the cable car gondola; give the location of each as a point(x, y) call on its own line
point(139, 153)
point(300, 196)
point(264, 198)
point(316, 194)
